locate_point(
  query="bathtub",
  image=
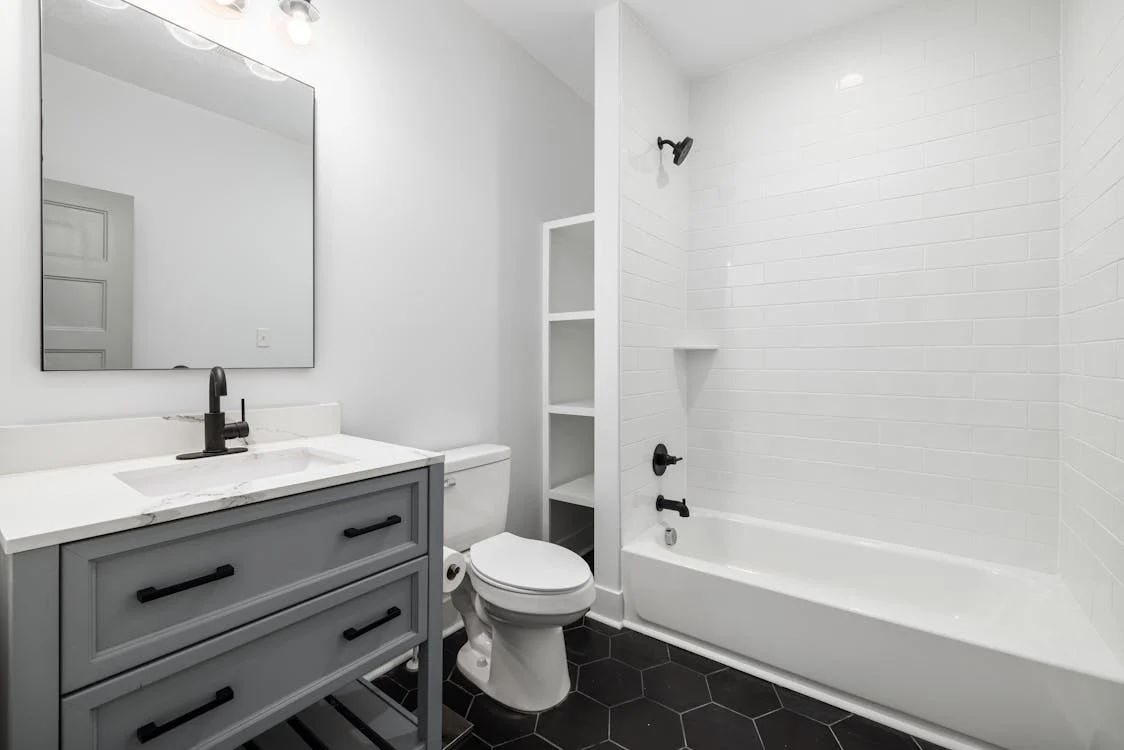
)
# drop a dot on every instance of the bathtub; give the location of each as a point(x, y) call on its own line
point(965, 653)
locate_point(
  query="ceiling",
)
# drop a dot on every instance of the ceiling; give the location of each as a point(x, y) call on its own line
point(134, 46)
point(703, 36)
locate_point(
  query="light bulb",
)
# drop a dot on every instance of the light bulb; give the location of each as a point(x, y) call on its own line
point(299, 28)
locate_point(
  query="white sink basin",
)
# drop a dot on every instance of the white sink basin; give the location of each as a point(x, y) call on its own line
point(207, 473)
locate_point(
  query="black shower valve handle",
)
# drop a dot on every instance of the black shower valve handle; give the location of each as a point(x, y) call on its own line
point(661, 459)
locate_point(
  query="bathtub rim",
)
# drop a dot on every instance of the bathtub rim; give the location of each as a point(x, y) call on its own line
point(646, 542)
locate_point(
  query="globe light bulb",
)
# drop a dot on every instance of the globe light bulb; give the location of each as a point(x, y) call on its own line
point(299, 28)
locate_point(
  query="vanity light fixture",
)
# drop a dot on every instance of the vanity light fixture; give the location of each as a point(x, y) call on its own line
point(301, 15)
point(111, 4)
point(264, 71)
point(188, 39)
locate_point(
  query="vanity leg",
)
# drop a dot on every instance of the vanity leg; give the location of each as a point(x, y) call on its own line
point(430, 712)
point(29, 649)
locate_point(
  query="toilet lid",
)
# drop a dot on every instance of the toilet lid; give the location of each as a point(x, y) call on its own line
point(512, 562)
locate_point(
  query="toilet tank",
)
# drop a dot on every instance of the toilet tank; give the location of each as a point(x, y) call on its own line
point(477, 490)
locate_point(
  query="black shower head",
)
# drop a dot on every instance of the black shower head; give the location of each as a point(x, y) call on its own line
point(679, 150)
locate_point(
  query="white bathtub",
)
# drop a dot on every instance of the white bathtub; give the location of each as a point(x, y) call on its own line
point(966, 653)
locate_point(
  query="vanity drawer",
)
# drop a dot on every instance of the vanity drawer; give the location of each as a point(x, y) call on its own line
point(133, 597)
point(202, 697)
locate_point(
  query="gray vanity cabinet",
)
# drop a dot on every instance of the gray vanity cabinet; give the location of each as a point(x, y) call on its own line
point(205, 632)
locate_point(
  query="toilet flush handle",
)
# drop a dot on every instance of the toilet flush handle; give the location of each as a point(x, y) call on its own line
point(450, 482)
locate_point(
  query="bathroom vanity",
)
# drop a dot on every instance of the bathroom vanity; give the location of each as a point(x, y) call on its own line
point(205, 604)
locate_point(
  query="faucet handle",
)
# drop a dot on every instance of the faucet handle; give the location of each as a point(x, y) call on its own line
point(243, 410)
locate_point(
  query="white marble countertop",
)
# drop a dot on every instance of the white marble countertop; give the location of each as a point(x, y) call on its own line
point(45, 508)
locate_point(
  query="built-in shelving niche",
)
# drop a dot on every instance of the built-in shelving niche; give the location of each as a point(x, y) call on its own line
point(568, 383)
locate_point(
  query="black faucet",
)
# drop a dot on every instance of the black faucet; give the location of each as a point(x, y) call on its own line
point(661, 459)
point(215, 429)
point(679, 506)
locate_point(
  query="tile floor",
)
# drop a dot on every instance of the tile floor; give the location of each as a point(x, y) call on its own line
point(633, 692)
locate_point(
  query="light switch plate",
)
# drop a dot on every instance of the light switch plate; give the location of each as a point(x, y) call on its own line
point(265, 338)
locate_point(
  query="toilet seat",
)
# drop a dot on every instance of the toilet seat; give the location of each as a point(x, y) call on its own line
point(528, 566)
point(530, 577)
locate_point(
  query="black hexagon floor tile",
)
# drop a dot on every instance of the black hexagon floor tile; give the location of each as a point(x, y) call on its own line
point(600, 627)
point(743, 693)
point(393, 690)
point(584, 645)
point(676, 687)
point(634, 722)
point(572, 670)
point(496, 724)
point(474, 743)
point(858, 733)
point(700, 664)
point(713, 727)
point(784, 730)
point(531, 742)
point(456, 697)
point(576, 724)
point(639, 650)
point(610, 681)
point(645, 725)
point(926, 745)
point(810, 707)
point(458, 678)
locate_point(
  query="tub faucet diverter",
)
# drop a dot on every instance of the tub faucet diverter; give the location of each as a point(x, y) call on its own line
point(679, 506)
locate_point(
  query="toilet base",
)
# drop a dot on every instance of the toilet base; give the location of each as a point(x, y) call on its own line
point(526, 670)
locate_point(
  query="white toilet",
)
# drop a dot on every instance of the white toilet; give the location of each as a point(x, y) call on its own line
point(518, 593)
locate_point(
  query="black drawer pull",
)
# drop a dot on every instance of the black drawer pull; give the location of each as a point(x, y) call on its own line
point(390, 521)
point(152, 730)
point(151, 593)
point(351, 633)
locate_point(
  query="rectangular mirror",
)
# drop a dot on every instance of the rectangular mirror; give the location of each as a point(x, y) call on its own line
point(177, 198)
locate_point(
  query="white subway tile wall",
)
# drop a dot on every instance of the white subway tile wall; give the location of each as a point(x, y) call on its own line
point(874, 244)
point(654, 240)
point(1092, 313)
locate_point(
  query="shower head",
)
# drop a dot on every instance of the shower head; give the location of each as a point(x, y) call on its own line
point(679, 150)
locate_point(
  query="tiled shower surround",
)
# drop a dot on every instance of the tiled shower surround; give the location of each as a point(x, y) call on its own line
point(874, 245)
point(905, 237)
point(1092, 313)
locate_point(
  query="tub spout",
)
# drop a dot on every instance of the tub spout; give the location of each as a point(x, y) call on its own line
point(679, 506)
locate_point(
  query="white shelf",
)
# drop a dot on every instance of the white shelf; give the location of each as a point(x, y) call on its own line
point(573, 408)
point(567, 316)
point(577, 492)
point(695, 346)
point(568, 381)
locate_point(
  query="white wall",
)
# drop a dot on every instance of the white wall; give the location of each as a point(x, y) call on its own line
point(441, 148)
point(879, 265)
point(653, 245)
point(1092, 313)
point(222, 218)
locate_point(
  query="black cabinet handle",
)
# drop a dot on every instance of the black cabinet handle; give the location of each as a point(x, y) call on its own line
point(152, 730)
point(390, 521)
point(351, 633)
point(151, 593)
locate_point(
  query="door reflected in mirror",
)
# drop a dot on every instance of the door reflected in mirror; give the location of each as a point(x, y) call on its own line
point(177, 198)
